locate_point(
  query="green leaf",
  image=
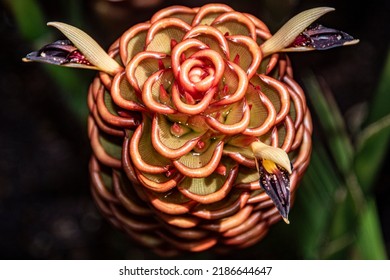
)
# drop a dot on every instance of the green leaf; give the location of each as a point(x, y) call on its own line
point(374, 139)
point(379, 106)
point(370, 241)
point(332, 122)
point(351, 226)
point(340, 230)
point(372, 146)
point(315, 203)
point(29, 18)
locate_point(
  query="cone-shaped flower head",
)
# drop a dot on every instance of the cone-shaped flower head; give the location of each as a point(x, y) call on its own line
point(199, 132)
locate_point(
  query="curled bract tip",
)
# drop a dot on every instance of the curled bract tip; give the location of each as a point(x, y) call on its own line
point(298, 34)
point(80, 51)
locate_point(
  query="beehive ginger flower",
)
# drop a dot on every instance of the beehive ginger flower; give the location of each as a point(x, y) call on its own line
point(199, 132)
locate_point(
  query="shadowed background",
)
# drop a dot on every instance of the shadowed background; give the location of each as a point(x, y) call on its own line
point(46, 210)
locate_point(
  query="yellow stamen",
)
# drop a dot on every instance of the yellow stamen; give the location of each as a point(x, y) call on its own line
point(273, 154)
point(269, 166)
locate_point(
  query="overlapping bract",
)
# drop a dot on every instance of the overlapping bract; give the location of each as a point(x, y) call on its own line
point(170, 132)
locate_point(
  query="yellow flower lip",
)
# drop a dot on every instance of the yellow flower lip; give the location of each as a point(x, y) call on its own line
point(269, 166)
point(273, 154)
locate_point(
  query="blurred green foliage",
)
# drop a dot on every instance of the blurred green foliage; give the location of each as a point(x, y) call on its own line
point(340, 181)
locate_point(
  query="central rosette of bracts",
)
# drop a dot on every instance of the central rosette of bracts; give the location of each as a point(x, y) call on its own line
point(199, 132)
point(198, 91)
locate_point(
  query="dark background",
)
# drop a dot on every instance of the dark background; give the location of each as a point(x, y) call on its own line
point(46, 210)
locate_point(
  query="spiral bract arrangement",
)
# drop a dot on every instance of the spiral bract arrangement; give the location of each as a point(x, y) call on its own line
point(170, 131)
